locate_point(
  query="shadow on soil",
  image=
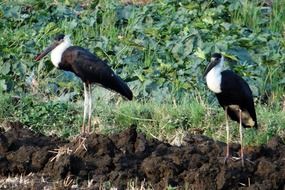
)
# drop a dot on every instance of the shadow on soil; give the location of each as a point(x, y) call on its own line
point(117, 158)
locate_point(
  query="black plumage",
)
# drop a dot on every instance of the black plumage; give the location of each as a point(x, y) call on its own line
point(235, 91)
point(91, 69)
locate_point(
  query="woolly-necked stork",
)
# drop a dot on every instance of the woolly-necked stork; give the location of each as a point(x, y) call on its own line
point(233, 94)
point(88, 67)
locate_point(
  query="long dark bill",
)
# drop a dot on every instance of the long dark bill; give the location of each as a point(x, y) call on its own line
point(209, 67)
point(45, 52)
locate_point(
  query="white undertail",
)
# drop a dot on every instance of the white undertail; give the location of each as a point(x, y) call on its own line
point(214, 77)
point(57, 52)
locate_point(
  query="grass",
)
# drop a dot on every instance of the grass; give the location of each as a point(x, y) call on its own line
point(165, 121)
point(257, 15)
point(249, 14)
point(278, 16)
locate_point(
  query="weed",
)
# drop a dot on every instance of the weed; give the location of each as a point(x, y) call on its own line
point(159, 48)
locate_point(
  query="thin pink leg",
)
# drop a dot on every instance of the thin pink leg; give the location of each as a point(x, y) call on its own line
point(85, 108)
point(228, 136)
point(89, 108)
point(241, 138)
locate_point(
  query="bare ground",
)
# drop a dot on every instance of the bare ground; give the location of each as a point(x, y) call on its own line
point(49, 162)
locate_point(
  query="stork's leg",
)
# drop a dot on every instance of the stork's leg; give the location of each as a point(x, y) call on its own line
point(85, 108)
point(228, 135)
point(241, 138)
point(89, 108)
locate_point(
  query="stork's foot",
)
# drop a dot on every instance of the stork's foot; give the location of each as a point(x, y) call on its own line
point(242, 160)
point(60, 151)
point(238, 159)
point(235, 159)
point(226, 159)
point(80, 140)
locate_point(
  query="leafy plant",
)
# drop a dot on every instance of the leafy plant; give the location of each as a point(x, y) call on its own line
point(48, 117)
point(160, 49)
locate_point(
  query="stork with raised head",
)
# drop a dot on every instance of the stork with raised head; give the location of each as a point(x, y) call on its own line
point(88, 67)
point(233, 94)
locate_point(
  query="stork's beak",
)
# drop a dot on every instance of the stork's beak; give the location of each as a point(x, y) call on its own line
point(209, 67)
point(46, 51)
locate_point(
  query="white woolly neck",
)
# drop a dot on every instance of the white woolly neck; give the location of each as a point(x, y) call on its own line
point(214, 77)
point(57, 52)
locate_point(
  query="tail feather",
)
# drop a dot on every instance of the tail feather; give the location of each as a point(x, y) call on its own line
point(119, 85)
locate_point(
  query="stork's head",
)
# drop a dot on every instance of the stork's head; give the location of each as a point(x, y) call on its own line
point(217, 59)
point(59, 40)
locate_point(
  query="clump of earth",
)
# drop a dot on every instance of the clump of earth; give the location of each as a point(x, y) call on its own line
point(117, 159)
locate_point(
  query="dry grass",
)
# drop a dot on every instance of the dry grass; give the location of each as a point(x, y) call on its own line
point(60, 152)
point(30, 181)
point(134, 185)
point(33, 181)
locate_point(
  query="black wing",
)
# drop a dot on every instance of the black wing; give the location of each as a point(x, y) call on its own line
point(91, 69)
point(235, 91)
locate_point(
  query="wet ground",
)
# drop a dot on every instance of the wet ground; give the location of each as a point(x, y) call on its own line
point(104, 161)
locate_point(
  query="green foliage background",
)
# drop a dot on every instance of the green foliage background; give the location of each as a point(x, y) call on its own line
point(160, 49)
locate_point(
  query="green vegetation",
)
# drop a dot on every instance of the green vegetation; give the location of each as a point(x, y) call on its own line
point(259, 15)
point(160, 48)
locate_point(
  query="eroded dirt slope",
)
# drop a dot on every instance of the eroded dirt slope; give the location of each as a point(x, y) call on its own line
point(198, 164)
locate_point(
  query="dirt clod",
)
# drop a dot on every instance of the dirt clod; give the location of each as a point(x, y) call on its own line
point(129, 155)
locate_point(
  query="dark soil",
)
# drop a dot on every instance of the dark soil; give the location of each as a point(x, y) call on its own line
point(118, 158)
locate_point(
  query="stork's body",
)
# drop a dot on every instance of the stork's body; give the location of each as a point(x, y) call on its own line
point(233, 94)
point(89, 68)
